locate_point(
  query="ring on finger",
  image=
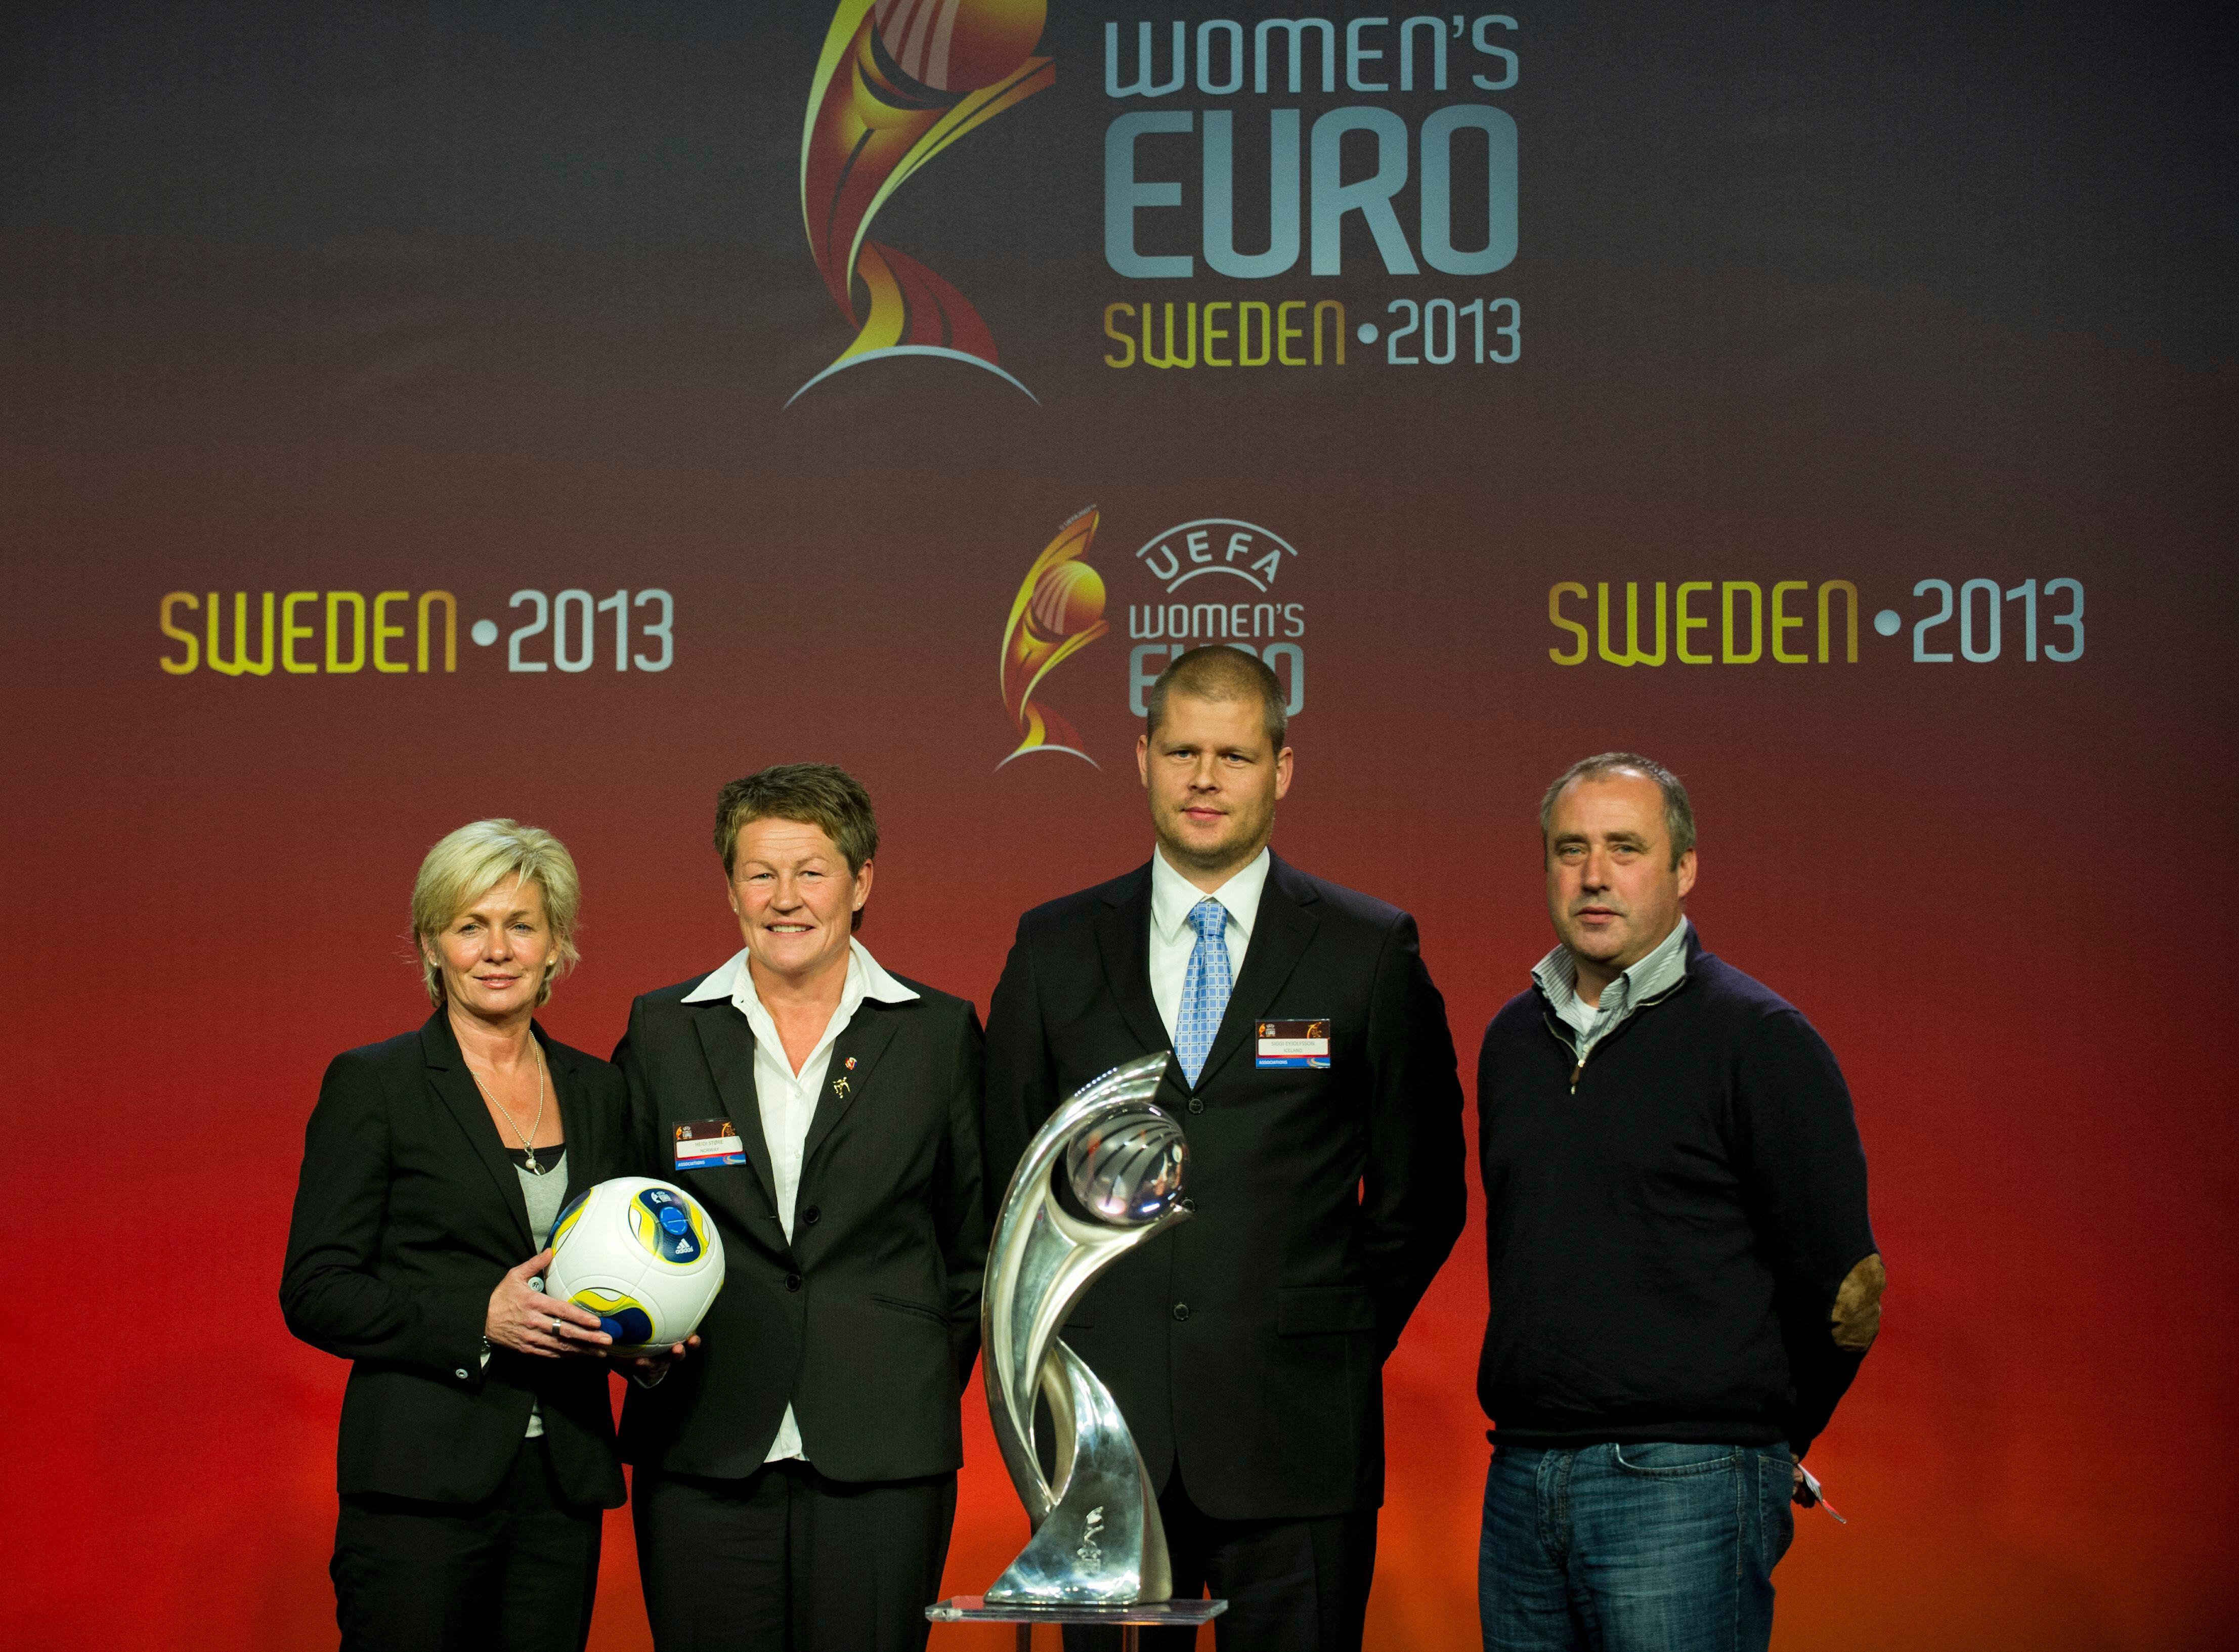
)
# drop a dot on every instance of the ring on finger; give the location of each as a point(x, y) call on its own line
point(556, 1328)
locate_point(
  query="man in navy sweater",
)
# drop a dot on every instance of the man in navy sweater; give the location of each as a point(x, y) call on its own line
point(1682, 1276)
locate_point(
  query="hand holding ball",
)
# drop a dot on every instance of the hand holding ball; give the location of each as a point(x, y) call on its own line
point(640, 1255)
point(522, 1317)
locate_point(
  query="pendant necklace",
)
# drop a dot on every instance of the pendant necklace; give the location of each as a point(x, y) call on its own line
point(528, 1142)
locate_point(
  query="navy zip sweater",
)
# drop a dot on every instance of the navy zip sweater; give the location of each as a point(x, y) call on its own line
point(1666, 1226)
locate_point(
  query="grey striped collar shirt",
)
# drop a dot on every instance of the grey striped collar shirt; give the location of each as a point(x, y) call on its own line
point(1641, 984)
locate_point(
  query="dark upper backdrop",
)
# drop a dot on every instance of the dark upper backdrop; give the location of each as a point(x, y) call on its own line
point(491, 299)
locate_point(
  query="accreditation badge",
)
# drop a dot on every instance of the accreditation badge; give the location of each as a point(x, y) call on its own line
point(706, 1142)
point(1293, 1044)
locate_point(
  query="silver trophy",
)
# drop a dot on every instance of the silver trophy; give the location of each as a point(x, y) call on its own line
point(1097, 1538)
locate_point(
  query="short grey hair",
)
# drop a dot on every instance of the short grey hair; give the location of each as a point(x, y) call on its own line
point(1679, 813)
point(467, 863)
point(822, 795)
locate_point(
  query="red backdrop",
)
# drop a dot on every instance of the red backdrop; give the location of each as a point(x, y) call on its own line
point(443, 297)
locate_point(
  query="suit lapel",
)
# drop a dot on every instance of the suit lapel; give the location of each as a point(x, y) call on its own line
point(1281, 931)
point(863, 1040)
point(1123, 938)
point(729, 1044)
point(447, 1072)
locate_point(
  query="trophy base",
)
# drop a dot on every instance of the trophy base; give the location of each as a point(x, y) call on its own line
point(974, 1608)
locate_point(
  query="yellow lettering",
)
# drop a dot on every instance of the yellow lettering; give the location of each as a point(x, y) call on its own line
point(1245, 311)
point(335, 601)
point(1683, 622)
point(260, 666)
point(1756, 624)
point(1556, 592)
point(1634, 654)
point(1337, 332)
point(1285, 333)
point(1126, 340)
point(1173, 357)
point(1851, 607)
point(178, 668)
point(450, 629)
point(289, 631)
point(1782, 624)
point(382, 631)
point(1212, 333)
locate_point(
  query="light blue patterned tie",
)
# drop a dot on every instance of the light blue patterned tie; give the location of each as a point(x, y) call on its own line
point(1204, 988)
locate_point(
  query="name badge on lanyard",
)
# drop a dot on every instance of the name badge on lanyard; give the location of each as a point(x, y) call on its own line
point(1294, 1044)
point(706, 1143)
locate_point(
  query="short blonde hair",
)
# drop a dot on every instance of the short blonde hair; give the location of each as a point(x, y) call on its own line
point(469, 863)
point(1215, 671)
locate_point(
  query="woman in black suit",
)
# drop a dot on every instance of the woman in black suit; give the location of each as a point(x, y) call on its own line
point(477, 1453)
point(797, 1481)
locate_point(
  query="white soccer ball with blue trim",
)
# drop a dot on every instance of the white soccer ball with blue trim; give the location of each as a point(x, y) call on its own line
point(642, 1255)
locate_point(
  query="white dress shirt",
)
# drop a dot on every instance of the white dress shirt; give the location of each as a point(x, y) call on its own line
point(1174, 938)
point(787, 1099)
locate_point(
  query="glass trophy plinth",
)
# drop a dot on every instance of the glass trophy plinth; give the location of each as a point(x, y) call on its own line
point(1130, 1621)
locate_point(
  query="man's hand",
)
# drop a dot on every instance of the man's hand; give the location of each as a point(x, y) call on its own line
point(647, 1369)
point(1805, 1492)
point(523, 1318)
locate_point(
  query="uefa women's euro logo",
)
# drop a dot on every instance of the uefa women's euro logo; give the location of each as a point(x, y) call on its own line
point(1221, 580)
point(897, 83)
point(1057, 612)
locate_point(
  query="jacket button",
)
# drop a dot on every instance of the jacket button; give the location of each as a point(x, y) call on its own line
point(460, 1374)
point(793, 1282)
point(1181, 1310)
point(1197, 1104)
point(812, 1215)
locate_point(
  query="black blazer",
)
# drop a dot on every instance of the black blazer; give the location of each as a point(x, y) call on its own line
point(1249, 1340)
point(408, 1213)
point(867, 1322)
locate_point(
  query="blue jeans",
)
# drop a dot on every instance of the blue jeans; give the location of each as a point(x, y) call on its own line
point(1655, 1548)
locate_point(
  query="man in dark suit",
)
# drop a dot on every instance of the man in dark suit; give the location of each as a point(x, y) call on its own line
point(1315, 1076)
point(796, 1479)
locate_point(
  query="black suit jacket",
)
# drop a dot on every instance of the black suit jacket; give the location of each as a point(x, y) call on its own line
point(408, 1213)
point(866, 1321)
point(1248, 1343)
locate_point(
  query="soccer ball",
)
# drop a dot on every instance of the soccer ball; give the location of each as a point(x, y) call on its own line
point(640, 1254)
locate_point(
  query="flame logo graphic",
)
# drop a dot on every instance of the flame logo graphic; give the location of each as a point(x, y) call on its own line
point(1057, 612)
point(898, 82)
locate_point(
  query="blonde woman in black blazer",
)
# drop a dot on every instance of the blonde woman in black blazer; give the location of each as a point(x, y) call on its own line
point(477, 1449)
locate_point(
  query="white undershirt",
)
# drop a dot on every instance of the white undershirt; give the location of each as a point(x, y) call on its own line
point(1173, 938)
point(788, 1100)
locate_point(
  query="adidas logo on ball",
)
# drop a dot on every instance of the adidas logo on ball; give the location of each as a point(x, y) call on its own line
point(642, 1255)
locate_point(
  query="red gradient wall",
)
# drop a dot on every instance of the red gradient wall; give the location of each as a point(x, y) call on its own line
point(435, 297)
